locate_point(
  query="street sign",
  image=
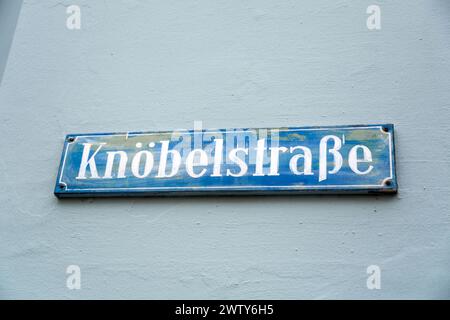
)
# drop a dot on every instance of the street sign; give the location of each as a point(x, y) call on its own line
point(336, 159)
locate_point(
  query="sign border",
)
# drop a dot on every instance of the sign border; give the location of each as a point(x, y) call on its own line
point(62, 190)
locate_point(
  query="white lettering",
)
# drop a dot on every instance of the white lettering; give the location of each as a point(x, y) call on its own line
point(203, 161)
point(218, 150)
point(323, 156)
point(86, 161)
point(274, 159)
point(260, 148)
point(137, 161)
point(110, 161)
point(176, 161)
point(307, 158)
point(241, 163)
point(353, 159)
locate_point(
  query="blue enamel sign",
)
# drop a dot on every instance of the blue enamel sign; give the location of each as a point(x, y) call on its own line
point(339, 159)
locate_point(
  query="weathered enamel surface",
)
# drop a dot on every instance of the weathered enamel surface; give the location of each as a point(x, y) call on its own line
point(337, 159)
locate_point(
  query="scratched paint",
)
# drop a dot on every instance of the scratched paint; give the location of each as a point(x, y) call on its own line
point(256, 161)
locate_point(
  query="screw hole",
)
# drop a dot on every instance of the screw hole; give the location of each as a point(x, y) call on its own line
point(385, 129)
point(71, 139)
point(388, 183)
point(62, 186)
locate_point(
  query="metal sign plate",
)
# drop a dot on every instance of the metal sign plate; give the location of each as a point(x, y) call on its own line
point(338, 159)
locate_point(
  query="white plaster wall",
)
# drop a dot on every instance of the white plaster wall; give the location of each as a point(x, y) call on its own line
point(9, 12)
point(156, 65)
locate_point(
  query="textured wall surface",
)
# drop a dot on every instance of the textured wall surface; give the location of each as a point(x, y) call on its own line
point(9, 11)
point(156, 65)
